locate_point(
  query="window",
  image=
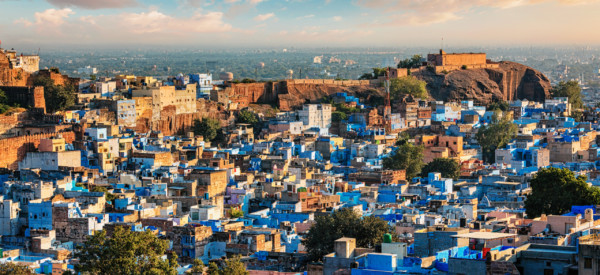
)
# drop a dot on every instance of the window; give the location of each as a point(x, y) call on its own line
point(587, 263)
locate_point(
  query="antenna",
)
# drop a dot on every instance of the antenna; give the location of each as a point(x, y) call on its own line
point(442, 43)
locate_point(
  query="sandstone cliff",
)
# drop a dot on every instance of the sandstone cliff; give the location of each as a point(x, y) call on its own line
point(294, 95)
point(510, 81)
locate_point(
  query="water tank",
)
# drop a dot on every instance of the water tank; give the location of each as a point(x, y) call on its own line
point(226, 76)
point(387, 238)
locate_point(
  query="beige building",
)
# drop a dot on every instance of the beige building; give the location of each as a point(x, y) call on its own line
point(184, 100)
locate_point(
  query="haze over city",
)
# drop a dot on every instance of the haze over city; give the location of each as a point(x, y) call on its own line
point(299, 23)
point(300, 137)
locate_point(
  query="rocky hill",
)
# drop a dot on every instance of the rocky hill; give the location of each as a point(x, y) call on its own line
point(510, 81)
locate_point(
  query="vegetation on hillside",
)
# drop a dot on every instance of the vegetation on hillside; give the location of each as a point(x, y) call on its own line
point(58, 97)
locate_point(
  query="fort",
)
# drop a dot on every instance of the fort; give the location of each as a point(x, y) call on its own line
point(457, 61)
point(26, 97)
point(14, 149)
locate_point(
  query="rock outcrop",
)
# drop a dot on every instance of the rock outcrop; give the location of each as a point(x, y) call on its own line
point(294, 94)
point(511, 81)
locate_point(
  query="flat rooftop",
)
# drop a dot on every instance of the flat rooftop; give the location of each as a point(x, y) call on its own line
point(485, 235)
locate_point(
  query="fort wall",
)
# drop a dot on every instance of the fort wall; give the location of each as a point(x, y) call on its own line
point(14, 149)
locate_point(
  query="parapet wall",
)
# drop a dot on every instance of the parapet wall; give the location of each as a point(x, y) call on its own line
point(346, 83)
point(14, 149)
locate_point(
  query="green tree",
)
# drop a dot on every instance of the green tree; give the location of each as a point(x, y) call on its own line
point(9, 268)
point(413, 62)
point(337, 116)
point(93, 77)
point(4, 106)
point(499, 105)
point(449, 168)
point(554, 191)
point(377, 72)
point(235, 213)
point(108, 195)
point(58, 97)
point(234, 266)
point(406, 157)
point(247, 116)
point(197, 267)
point(126, 252)
point(495, 135)
point(207, 127)
point(571, 90)
point(213, 269)
point(368, 232)
point(408, 85)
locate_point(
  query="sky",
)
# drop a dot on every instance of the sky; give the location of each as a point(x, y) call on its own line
point(299, 23)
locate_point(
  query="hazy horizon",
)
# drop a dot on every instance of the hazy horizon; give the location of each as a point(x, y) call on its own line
point(254, 24)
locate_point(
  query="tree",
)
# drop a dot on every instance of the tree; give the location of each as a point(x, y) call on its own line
point(197, 267)
point(213, 269)
point(377, 72)
point(234, 266)
point(126, 252)
point(337, 116)
point(4, 106)
point(571, 90)
point(495, 135)
point(9, 268)
point(208, 128)
point(554, 191)
point(499, 105)
point(108, 195)
point(58, 97)
point(368, 232)
point(248, 117)
point(408, 85)
point(449, 168)
point(413, 62)
point(406, 157)
point(235, 213)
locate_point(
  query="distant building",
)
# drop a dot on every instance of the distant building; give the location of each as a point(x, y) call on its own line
point(87, 70)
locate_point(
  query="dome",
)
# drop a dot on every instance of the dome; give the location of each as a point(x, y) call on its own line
point(226, 76)
point(290, 71)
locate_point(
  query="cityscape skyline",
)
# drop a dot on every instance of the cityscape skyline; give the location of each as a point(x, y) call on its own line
point(268, 23)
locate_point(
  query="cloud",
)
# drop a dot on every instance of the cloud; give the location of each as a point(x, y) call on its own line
point(264, 17)
point(337, 18)
point(410, 12)
point(94, 4)
point(143, 26)
point(306, 16)
point(48, 18)
point(158, 22)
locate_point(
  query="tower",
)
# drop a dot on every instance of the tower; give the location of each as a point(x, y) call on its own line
point(387, 110)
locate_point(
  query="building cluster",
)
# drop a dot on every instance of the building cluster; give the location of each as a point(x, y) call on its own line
point(128, 156)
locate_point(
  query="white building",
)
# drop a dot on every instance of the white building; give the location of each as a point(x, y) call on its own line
point(106, 89)
point(316, 115)
point(87, 70)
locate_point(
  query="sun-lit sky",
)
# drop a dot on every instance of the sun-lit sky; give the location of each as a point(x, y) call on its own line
point(301, 23)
